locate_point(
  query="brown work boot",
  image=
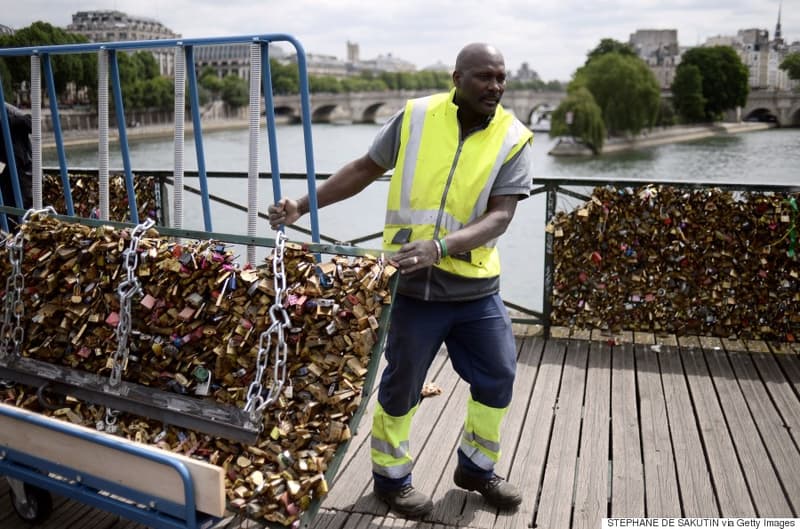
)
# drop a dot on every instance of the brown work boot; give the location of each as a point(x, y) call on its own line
point(497, 491)
point(407, 501)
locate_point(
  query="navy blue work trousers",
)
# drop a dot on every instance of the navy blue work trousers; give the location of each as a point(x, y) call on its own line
point(480, 344)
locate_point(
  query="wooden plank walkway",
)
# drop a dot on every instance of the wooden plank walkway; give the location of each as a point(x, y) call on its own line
point(623, 426)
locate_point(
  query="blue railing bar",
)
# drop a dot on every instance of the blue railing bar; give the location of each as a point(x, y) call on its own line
point(102, 439)
point(60, 49)
point(9, 144)
point(123, 134)
point(306, 114)
point(49, 82)
point(269, 114)
point(194, 100)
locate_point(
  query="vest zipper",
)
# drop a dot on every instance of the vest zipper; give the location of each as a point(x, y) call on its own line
point(441, 207)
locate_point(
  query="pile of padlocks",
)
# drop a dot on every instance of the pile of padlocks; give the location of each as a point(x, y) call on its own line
point(195, 330)
point(680, 261)
point(85, 195)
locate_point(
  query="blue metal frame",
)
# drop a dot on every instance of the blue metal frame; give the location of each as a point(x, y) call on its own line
point(150, 510)
point(194, 100)
point(188, 44)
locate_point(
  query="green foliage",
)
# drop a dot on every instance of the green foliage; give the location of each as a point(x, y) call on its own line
point(80, 69)
point(142, 86)
point(235, 91)
point(210, 81)
point(5, 74)
point(586, 119)
point(324, 83)
point(610, 46)
point(791, 64)
point(666, 114)
point(687, 93)
point(624, 88)
point(285, 79)
point(724, 77)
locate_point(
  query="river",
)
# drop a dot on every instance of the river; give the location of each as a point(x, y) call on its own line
point(771, 156)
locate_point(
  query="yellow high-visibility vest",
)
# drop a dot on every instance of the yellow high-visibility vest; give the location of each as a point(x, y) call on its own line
point(441, 182)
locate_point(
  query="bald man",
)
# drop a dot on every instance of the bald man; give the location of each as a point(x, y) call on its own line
point(461, 163)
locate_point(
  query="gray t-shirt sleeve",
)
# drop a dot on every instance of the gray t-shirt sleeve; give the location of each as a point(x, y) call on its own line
point(386, 144)
point(512, 179)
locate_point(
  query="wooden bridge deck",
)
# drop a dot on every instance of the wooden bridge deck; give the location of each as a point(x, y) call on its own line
point(642, 427)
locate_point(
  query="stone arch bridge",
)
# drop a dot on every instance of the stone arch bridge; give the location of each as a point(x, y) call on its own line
point(781, 107)
point(370, 107)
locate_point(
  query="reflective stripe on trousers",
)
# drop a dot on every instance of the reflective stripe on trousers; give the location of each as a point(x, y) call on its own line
point(389, 443)
point(480, 441)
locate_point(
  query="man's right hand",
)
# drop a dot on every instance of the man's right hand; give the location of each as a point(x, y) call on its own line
point(286, 211)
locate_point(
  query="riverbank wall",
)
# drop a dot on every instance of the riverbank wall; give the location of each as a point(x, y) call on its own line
point(165, 130)
point(657, 136)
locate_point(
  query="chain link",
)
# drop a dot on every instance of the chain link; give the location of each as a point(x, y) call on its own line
point(279, 323)
point(129, 287)
point(15, 285)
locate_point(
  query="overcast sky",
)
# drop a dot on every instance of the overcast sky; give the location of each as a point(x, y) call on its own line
point(552, 36)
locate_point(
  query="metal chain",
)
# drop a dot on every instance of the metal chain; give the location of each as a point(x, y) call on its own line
point(279, 323)
point(15, 284)
point(126, 290)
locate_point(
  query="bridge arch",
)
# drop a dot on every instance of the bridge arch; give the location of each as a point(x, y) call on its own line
point(764, 114)
point(371, 112)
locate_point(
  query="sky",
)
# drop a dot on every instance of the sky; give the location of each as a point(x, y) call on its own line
point(552, 36)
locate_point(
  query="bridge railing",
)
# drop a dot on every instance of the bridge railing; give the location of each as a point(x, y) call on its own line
point(560, 193)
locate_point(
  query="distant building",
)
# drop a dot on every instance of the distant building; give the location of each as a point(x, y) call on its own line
point(525, 74)
point(5, 30)
point(382, 63)
point(112, 26)
point(323, 65)
point(227, 59)
point(439, 66)
point(659, 49)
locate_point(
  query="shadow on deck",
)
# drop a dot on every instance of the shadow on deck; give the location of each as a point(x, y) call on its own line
point(597, 428)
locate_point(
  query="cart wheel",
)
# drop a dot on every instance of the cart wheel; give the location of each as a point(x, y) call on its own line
point(37, 506)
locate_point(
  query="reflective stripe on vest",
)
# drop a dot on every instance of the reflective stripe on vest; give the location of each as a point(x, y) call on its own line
point(441, 183)
point(480, 441)
point(389, 443)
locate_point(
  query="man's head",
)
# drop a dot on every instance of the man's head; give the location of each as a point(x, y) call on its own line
point(479, 78)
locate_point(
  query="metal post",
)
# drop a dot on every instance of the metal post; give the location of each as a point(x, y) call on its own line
point(549, 240)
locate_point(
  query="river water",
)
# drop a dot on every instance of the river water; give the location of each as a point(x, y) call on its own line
point(771, 156)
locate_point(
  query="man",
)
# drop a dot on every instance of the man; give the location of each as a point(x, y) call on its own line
point(460, 164)
point(20, 127)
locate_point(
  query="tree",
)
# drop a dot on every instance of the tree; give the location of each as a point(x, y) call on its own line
point(791, 65)
point(610, 46)
point(235, 91)
point(724, 76)
point(687, 93)
point(579, 116)
point(624, 88)
point(80, 69)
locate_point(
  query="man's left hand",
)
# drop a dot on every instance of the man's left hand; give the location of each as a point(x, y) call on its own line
point(415, 255)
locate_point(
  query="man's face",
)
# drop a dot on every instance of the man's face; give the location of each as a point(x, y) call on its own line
point(480, 85)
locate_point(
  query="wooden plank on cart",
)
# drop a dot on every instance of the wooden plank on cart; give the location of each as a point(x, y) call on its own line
point(114, 465)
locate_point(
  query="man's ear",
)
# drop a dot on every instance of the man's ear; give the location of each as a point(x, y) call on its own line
point(456, 78)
